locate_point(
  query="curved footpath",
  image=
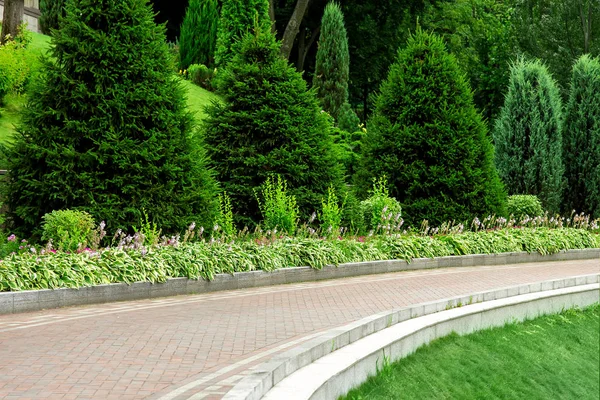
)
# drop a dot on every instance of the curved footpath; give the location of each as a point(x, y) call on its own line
point(201, 346)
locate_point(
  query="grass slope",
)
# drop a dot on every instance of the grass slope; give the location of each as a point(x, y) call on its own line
point(552, 357)
point(197, 97)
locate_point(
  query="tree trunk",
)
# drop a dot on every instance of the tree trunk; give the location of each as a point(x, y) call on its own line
point(304, 47)
point(13, 16)
point(289, 36)
point(586, 24)
point(272, 14)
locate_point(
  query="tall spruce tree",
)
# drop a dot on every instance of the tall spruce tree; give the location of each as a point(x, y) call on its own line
point(107, 131)
point(198, 37)
point(528, 135)
point(269, 124)
point(51, 11)
point(581, 139)
point(428, 139)
point(237, 18)
point(333, 62)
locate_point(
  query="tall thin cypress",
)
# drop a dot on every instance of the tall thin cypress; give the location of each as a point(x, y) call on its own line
point(528, 135)
point(198, 37)
point(581, 139)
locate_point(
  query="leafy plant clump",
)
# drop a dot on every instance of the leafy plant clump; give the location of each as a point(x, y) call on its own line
point(277, 206)
point(129, 260)
point(522, 205)
point(428, 139)
point(269, 124)
point(69, 230)
point(379, 209)
point(106, 130)
point(528, 135)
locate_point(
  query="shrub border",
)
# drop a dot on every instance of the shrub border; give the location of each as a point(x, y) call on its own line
point(36, 300)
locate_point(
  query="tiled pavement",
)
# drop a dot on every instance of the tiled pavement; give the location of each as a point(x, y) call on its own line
point(200, 346)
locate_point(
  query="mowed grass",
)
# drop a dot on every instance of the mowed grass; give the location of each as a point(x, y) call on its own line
point(10, 113)
point(552, 357)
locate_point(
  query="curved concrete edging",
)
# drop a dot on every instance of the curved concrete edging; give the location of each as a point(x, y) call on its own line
point(35, 300)
point(271, 375)
point(335, 374)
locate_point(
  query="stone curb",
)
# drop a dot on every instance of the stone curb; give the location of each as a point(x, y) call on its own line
point(265, 376)
point(335, 374)
point(36, 300)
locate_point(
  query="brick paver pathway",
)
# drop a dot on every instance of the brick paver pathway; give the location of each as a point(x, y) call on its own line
point(200, 346)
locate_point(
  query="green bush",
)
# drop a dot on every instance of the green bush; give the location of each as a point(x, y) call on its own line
point(332, 67)
point(520, 206)
point(428, 139)
point(379, 209)
point(581, 139)
point(237, 19)
point(347, 119)
point(198, 33)
point(347, 146)
point(528, 135)
point(52, 11)
point(201, 75)
point(205, 259)
point(14, 68)
point(107, 130)
point(278, 208)
point(331, 214)
point(69, 230)
point(224, 220)
point(269, 124)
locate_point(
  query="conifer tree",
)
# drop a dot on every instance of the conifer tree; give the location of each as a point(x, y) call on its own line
point(198, 37)
point(429, 141)
point(528, 135)
point(107, 131)
point(332, 69)
point(269, 124)
point(581, 139)
point(238, 17)
point(51, 11)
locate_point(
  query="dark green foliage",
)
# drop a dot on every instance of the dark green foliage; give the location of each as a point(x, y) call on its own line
point(237, 18)
point(528, 135)
point(522, 205)
point(429, 141)
point(269, 124)
point(347, 145)
point(106, 131)
point(198, 37)
point(333, 62)
point(347, 119)
point(581, 139)
point(52, 11)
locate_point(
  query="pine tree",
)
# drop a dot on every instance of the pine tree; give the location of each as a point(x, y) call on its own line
point(581, 139)
point(198, 37)
point(269, 124)
point(528, 135)
point(238, 17)
point(107, 131)
point(429, 141)
point(332, 69)
point(51, 11)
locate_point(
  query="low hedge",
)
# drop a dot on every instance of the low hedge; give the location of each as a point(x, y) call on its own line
point(202, 260)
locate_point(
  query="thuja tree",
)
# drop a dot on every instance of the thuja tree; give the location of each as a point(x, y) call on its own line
point(581, 139)
point(333, 60)
point(429, 141)
point(269, 124)
point(238, 17)
point(198, 36)
point(51, 12)
point(107, 131)
point(528, 135)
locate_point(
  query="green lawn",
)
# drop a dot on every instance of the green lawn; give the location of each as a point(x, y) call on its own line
point(552, 357)
point(197, 97)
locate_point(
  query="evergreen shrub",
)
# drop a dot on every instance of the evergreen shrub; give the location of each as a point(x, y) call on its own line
point(528, 135)
point(201, 75)
point(51, 13)
point(267, 125)
point(332, 69)
point(106, 131)
point(581, 139)
point(347, 119)
point(198, 37)
point(521, 205)
point(238, 17)
point(429, 141)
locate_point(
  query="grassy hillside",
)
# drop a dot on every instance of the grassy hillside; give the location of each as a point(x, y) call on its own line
point(197, 97)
